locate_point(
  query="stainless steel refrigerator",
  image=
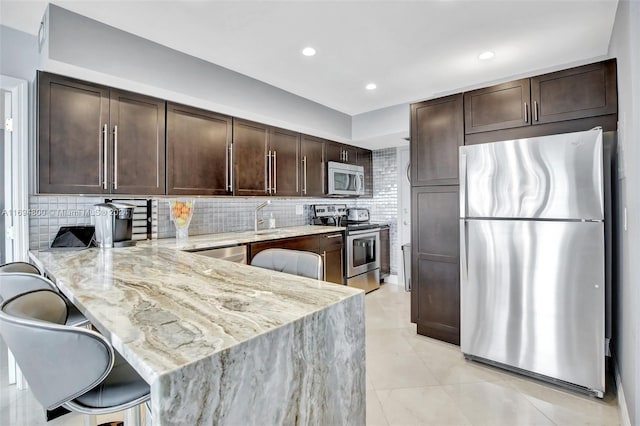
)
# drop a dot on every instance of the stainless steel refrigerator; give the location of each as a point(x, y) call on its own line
point(532, 257)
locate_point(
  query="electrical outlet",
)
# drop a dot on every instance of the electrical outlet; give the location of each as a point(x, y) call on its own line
point(299, 209)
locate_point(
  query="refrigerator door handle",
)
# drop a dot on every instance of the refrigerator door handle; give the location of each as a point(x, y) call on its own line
point(464, 248)
point(463, 184)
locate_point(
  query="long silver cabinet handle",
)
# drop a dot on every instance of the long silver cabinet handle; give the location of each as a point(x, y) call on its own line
point(231, 167)
point(105, 142)
point(324, 265)
point(227, 171)
point(267, 172)
point(526, 112)
point(115, 157)
point(535, 110)
point(304, 175)
point(334, 236)
point(275, 173)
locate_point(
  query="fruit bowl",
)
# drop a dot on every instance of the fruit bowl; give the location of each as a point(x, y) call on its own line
point(181, 212)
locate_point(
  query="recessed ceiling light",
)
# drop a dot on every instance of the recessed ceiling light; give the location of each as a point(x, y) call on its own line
point(308, 51)
point(371, 86)
point(486, 55)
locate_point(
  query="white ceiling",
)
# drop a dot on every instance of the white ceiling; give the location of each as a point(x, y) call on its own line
point(411, 49)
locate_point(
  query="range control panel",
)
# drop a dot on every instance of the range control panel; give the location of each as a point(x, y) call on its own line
point(329, 210)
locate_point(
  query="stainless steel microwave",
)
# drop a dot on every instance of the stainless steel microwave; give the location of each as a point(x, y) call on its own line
point(345, 179)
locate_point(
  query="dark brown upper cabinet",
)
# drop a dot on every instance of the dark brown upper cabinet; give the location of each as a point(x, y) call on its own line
point(138, 141)
point(198, 151)
point(250, 143)
point(579, 92)
point(436, 133)
point(341, 153)
point(73, 120)
point(312, 166)
point(97, 140)
point(284, 148)
point(266, 160)
point(498, 107)
point(576, 93)
point(365, 159)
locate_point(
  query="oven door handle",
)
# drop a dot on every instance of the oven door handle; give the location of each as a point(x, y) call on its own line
point(372, 231)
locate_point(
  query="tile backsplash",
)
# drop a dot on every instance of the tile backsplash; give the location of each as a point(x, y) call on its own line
point(224, 214)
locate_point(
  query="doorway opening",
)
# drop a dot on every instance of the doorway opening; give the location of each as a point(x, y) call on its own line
point(14, 220)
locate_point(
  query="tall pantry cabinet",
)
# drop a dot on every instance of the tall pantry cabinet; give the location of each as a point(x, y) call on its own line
point(437, 130)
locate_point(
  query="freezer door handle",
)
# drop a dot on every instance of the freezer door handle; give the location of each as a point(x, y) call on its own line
point(463, 184)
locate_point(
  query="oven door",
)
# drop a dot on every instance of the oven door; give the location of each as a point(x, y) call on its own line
point(363, 251)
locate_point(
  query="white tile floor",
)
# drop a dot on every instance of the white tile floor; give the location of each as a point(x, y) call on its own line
point(411, 380)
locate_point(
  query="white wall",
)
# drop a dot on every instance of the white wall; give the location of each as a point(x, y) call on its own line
point(18, 54)
point(626, 48)
point(382, 128)
point(83, 48)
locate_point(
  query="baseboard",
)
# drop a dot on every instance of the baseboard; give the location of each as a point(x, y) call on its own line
point(623, 410)
point(391, 279)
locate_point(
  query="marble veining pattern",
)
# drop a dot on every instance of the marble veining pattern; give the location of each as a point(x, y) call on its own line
point(195, 327)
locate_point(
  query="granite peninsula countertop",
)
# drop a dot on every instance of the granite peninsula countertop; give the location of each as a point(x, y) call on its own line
point(224, 239)
point(153, 300)
point(220, 342)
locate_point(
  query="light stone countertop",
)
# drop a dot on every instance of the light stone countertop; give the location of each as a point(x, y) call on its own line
point(224, 239)
point(220, 342)
point(152, 301)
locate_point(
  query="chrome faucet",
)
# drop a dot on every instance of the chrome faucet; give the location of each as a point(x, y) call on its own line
point(257, 221)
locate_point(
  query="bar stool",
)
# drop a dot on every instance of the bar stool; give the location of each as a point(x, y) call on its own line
point(15, 283)
point(20, 267)
point(302, 263)
point(87, 376)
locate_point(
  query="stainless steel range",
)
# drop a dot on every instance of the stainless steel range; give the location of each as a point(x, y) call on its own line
point(362, 242)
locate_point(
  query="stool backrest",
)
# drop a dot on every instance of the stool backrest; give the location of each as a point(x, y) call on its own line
point(19, 267)
point(59, 362)
point(15, 283)
point(302, 263)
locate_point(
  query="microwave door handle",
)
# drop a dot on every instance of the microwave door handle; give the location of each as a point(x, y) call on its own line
point(359, 184)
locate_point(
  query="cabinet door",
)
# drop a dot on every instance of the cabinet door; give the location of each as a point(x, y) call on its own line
point(365, 159)
point(250, 141)
point(579, 92)
point(198, 144)
point(73, 117)
point(350, 154)
point(138, 144)
point(497, 107)
point(285, 162)
point(312, 166)
point(332, 252)
point(333, 151)
point(436, 133)
point(435, 274)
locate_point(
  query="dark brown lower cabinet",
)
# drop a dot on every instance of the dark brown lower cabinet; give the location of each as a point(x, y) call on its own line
point(332, 252)
point(385, 252)
point(435, 274)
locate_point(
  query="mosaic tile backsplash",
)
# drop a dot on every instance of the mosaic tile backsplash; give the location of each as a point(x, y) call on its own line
point(224, 214)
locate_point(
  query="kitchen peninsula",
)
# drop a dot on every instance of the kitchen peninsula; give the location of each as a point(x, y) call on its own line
point(220, 342)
